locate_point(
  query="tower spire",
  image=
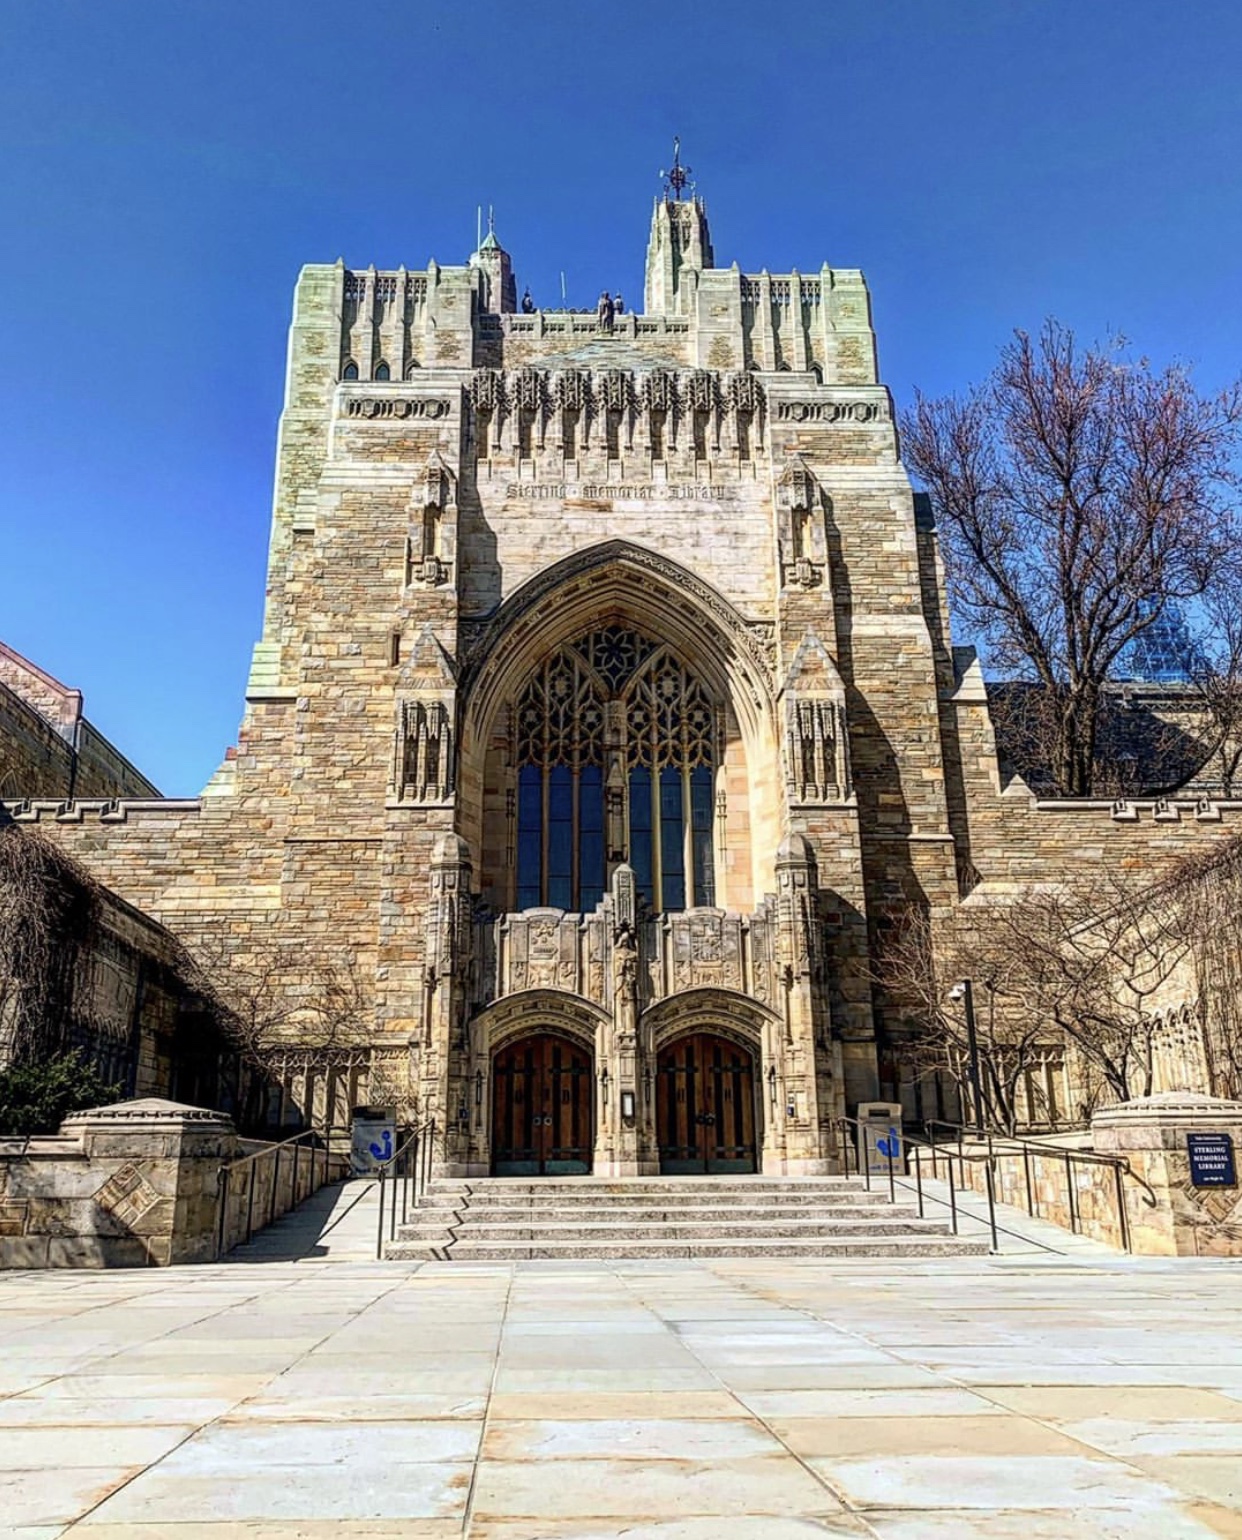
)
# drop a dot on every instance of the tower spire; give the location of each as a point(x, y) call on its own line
point(680, 247)
point(677, 176)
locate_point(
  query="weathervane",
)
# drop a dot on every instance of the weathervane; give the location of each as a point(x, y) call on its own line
point(676, 178)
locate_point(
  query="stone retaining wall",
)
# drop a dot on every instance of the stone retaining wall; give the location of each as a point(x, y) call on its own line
point(138, 1185)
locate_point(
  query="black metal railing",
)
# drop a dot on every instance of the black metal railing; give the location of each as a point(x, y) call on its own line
point(250, 1186)
point(984, 1150)
point(403, 1179)
point(892, 1154)
point(994, 1146)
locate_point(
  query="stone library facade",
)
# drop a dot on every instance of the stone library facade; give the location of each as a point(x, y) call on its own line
point(605, 711)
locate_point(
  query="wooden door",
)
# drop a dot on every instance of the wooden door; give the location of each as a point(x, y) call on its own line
point(705, 1106)
point(542, 1095)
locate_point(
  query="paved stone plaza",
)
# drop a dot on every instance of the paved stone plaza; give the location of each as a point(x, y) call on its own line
point(1052, 1397)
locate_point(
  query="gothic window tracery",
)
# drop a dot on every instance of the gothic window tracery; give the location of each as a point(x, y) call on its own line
point(614, 744)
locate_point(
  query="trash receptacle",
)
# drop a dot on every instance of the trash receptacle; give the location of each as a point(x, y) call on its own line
point(373, 1139)
point(879, 1137)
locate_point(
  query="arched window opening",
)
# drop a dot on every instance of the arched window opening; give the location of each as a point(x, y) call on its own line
point(350, 371)
point(382, 372)
point(656, 760)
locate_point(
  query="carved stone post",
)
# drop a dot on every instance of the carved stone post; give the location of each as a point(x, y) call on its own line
point(799, 952)
point(621, 1111)
point(446, 1060)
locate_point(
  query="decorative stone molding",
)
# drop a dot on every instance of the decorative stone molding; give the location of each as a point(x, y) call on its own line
point(816, 729)
point(689, 949)
point(424, 756)
point(539, 391)
point(801, 529)
point(394, 407)
point(146, 1110)
point(107, 810)
point(852, 413)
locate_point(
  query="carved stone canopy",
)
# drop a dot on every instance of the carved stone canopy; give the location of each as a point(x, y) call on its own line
point(797, 489)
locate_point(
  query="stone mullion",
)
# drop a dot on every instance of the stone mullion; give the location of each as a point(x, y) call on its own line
point(687, 814)
point(575, 766)
point(545, 767)
point(366, 319)
point(798, 338)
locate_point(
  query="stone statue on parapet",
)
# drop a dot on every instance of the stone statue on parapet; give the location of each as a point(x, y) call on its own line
point(618, 304)
point(605, 312)
point(528, 304)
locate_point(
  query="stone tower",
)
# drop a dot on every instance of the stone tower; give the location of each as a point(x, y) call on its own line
point(604, 714)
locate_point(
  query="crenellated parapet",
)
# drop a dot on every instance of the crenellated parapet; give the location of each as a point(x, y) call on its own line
point(96, 809)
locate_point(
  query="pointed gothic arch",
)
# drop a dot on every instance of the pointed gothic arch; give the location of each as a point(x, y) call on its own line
point(646, 596)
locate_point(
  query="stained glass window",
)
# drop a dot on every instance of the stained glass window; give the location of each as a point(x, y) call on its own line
point(663, 746)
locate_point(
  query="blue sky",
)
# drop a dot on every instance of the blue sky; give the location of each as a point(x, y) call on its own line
point(166, 168)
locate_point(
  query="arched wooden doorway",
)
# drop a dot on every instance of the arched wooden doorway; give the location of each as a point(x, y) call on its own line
point(542, 1107)
point(705, 1106)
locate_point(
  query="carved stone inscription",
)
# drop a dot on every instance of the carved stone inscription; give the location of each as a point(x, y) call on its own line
point(622, 492)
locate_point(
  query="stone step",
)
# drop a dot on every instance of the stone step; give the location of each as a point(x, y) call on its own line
point(503, 1219)
point(593, 1187)
point(566, 1213)
point(678, 1228)
point(811, 1248)
point(708, 1203)
point(782, 1202)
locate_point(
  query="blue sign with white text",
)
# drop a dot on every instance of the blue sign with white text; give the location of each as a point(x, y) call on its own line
point(1211, 1160)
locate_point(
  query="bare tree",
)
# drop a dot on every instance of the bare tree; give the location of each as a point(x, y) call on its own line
point(917, 964)
point(1204, 891)
point(1215, 669)
point(270, 995)
point(1078, 493)
point(1092, 961)
point(1085, 966)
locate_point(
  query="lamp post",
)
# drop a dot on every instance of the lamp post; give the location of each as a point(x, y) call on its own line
point(966, 994)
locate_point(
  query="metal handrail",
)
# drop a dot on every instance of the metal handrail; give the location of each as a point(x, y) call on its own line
point(1120, 1166)
point(272, 1152)
point(986, 1156)
point(1090, 1157)
point(863, 1168)
point(410, 1165)
point(996, 1230)
point(270, 1147)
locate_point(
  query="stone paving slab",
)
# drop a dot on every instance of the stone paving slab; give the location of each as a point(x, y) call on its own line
point(1033, 1398)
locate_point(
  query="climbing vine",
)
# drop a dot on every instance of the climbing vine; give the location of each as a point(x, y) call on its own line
point(49, 928)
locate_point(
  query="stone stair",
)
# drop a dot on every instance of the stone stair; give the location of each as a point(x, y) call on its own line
point(504, 1219)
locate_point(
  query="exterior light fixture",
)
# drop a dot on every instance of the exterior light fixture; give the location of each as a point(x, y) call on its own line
point(627, 1105)
point(965, 994)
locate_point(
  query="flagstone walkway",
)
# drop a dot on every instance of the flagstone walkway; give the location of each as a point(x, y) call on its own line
point(1035, 1396)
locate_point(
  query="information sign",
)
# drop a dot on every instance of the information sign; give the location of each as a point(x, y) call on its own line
point(1211, 1160)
